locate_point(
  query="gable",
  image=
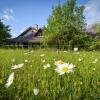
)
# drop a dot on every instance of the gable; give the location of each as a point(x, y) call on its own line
point(29, 35)
point(28, 31)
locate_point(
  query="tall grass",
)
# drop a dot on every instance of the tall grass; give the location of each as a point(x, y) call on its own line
point(82, 84)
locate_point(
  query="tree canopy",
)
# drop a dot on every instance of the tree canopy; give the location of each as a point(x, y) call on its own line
point(66, 25)
point(4, 31)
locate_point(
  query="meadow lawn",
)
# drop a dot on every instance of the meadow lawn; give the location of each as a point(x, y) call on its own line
point(83, 83)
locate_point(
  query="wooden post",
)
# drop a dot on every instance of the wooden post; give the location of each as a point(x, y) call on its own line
point(16, 45)
point(29, 46)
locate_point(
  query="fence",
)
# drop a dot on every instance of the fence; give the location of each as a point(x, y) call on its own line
point(41, 46)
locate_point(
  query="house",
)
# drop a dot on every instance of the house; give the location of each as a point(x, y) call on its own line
point(30, 37)
point(92, 32)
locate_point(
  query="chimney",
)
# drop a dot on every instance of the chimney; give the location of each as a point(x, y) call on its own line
point(36, 26)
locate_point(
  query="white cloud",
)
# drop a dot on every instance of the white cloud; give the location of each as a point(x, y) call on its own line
point(7, 14)
point(7, 17)
point(92, 11)
point(8, 11)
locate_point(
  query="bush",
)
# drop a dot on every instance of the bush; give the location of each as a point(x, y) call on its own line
point(95, 45)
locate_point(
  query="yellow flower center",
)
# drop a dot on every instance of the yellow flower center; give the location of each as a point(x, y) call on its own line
point(64, 69)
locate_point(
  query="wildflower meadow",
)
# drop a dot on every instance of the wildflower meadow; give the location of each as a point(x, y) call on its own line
point(46, 74)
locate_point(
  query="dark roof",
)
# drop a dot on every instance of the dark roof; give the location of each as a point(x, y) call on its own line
point(91, 31)
point(28, 29)
point(34, 37)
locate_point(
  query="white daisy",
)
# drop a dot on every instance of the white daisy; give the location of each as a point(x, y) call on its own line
point(65, 51)
point(64, 68)
point(59, 62)
point(10, 80)
point(43, 60)
point(81, 83)
point(21, 65)
point(79, 59)
point(95, 61)
point(36, 91)
point(75, 49)
point(42, 55)
point(14, 67)
point(47, 66)
point(26, 60)
point(17, 66)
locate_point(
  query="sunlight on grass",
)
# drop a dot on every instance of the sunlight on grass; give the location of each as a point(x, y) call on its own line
point(38, 79)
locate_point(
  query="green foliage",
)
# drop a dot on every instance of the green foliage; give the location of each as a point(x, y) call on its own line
point(4, 31)
point(95, 45)
point(66, 25)
point(54, 23)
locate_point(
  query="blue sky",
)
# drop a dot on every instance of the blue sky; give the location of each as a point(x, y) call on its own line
point(20, 14)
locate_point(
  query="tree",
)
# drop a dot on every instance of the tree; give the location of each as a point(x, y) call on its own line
point(66, 25)
point(54, 25)
point(74, 22)
point(4, 31)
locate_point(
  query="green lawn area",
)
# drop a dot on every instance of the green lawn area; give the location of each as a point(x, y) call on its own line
point(81, 84)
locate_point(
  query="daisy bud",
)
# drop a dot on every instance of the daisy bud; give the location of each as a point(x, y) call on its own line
point(36, 91)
